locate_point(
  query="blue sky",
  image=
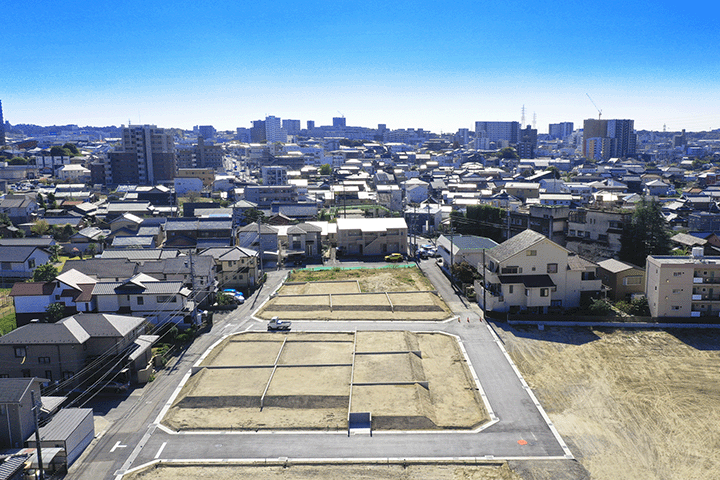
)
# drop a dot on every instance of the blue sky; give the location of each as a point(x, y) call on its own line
point(420, 64)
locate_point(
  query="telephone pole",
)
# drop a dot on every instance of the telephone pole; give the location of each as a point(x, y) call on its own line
point(35, 407)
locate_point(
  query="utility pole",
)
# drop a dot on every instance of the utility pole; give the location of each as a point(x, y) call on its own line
point(452, 254)
point(260, 252)
point(35, 407)
point(484, 284)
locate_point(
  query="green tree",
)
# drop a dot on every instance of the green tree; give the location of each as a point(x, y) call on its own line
point(55, 311)
point(91, 250)
point(70, 147)
point(253, 215)
point(556, 172)
point(39, 228)
point(18, 161)
point(508, 152)
point(55, 251)
point(58, 151)
point(45, 273)
point(326, 169)
point(646, 234)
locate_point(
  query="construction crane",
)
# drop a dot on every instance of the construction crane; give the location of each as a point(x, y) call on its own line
point(596, 107)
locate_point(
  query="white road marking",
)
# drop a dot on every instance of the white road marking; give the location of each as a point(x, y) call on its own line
point(157, 455)
point(117, 445)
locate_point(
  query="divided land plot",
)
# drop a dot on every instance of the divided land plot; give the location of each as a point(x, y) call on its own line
point(395, 293)
point(629, 404)
point(311, 381)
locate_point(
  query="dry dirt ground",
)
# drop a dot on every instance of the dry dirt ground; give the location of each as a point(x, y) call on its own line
point(629, 404)
point(406, 380)
point(329, 472)
point(333, 295)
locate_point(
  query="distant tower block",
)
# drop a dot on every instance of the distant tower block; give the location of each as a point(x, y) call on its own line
point(2, 126)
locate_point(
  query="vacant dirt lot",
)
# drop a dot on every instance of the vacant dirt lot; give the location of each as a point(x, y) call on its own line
point(332, 295)
point(329, 472)
point(389, 279)
point(630, 404)
point(406, 380)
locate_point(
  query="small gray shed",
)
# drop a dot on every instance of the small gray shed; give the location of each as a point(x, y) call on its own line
point(71, 429)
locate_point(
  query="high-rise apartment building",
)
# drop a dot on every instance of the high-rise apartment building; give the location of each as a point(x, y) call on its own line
point(560, 130)
point(498, 131)
point(208, 155)
point(257, 132)
point(274, 131)
point(2, 126)
point(145, 157)
point(291, 127)
point(604, 139)
point(311, 124)
point(339, 122)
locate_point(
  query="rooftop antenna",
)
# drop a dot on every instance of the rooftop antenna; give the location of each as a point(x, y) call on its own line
point(596, 107)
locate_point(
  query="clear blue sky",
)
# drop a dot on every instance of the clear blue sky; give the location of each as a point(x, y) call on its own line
point(422, 64)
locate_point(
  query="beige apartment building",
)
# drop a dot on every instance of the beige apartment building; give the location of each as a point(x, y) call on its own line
point(683, 286)
point(372, 236)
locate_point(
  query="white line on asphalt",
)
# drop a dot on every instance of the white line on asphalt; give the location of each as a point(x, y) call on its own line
point(117, 445)
point(157, 455)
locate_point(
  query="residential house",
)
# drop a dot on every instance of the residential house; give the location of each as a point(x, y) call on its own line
point(143, 295)
point(531, 273)
point(301, 240)
point(372, 236)
point(262, 238)
point(198, 232)
point(424, 219)
point(56, 351)
point(235, 267)
point(19, 208)
point(623, 280)
point(19, 262)
point(71, 288)
point(464, 248)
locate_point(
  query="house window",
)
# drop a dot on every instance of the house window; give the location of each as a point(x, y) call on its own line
point(20, 352)
point(511, 270)
point(531, 253)
point(166, 298)
point(556, 303)
point(140, 301)
point(635, 280)
point(43, 359)
point(31, 263)
point(552, 268)
point(677, 274)
point(510, 288)
point(544, 292)
point(676, 307)
point(48, 374)
point(67, 375)
point(588, 275)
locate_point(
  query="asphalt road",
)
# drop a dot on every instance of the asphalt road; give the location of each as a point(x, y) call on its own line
point(520, 430)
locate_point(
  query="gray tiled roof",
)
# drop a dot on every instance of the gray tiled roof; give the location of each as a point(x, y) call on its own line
point(516, 244)
point(66, 331)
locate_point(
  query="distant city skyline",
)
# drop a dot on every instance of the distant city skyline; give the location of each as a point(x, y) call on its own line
point(407, 65)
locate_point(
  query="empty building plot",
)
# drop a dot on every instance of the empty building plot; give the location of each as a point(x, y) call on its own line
point(314, 381)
